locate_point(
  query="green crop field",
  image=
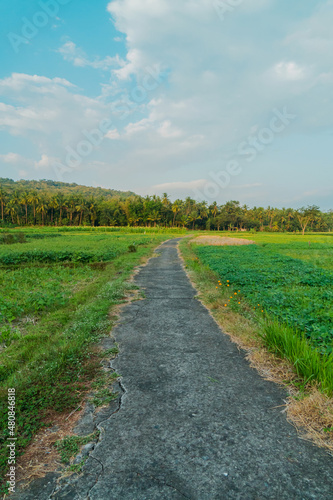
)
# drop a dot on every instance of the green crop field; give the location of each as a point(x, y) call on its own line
point(57, 289)
point(287, 283)
point(97, 247)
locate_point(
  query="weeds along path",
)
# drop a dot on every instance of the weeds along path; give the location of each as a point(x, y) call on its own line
point(195, 421)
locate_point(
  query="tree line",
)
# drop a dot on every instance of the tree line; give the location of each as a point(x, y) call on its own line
point(58, 204)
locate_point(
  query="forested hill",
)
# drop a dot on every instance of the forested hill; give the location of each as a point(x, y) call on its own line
point(54, 188)
point(52, 203)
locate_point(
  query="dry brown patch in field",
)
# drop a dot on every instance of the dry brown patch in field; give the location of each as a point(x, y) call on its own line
point(314, 413)
point(221, 241)
point(41, 456)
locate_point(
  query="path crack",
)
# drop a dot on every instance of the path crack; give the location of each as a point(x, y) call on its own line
point(101, 428)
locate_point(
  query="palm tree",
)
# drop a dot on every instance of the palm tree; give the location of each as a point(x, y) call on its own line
point(3, 199)
point(165, 199)
point(193, 217)
point(16, 201)
point(183, 220)
point(189, 205)
point(70, 208)
point(12, 209)
point(53, 204)
point(33, 199)
point(62, 205)
point(204, 211)
point(81, 207)
point(290, 214)
point(175, 209)
point(25, 201)
point(271, 212)
point(42, 208)
point(92, 207)
point(214, 209)
point(154, 217)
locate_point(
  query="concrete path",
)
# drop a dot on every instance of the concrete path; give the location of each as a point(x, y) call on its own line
point(195, 420)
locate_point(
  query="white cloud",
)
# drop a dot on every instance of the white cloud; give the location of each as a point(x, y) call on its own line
point(16, 160)
point(140, 126)
point(18, 82)
point(78, 57)
point(46, 162)
point(112, 134)
point(289, 71)
point(167, 131)
point(49, 112)
point(133, 64)
point(11, 158)
point(181, 186)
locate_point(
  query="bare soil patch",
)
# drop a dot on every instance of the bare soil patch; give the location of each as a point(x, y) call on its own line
point(221, 241)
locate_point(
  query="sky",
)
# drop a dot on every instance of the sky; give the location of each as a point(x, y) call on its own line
point(212, 99)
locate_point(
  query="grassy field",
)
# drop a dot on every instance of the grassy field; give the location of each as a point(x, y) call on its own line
point(284, 285)
point(57, 293)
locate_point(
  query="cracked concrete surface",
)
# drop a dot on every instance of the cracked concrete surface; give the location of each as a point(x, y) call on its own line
point(195, 421)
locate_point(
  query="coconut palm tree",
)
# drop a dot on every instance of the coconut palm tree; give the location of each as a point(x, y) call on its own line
point(92, 207)
point(175, 209)
point(12, 209)
point(193, 217)
point(42, 208)
point(154, 216)
point(70, 208)
point(24, 200)
point(183, 220)
point(165, 199)
point(214, 209)
point(3, 199)
point(53, 205)
point(33, 198)
point(62, 205)
point(81, 207)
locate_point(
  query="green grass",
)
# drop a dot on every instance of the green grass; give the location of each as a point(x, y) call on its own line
point(70, 446)
point(308, 363)
point(51, 360)
point(27, 292)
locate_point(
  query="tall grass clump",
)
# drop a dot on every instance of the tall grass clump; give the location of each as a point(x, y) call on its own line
point(308, 363)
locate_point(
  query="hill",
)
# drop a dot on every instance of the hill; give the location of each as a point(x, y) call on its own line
point(55, 187)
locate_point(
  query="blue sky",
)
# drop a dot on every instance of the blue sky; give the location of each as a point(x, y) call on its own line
point(210, 99)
